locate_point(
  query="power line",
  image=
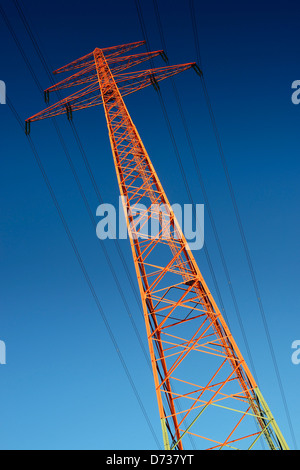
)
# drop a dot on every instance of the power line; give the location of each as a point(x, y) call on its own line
point(90, 214)
point(107, 257)
point(15, 38)
point(204, 192)
point(179, 160)
point(78, 141)
point(83, 269)
point(239, 222)
point(226, 172)
point(71, 164)
point(166, 116)
point(180, 164)
point(143, 27)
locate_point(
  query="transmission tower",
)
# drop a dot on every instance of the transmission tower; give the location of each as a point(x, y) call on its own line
point(204, 388)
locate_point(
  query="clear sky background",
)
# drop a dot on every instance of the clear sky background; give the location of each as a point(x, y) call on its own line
point(63, 386)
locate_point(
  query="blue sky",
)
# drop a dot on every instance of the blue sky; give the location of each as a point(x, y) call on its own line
point(63, 385)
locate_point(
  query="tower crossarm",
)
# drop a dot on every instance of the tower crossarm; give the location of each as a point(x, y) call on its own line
point(88, 73)
point(85, 77)
point(110, 54)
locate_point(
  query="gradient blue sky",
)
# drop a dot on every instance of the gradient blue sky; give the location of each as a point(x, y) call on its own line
point(63, 386)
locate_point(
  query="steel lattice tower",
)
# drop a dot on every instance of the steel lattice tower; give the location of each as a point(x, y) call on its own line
point(198, 370)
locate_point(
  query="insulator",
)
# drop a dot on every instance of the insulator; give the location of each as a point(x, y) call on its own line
point(154, 82)
point(47, 96)
point(164, 56)
point(27, 127)
point(197, 70)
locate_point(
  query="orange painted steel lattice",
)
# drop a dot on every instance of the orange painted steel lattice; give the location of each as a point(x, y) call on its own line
point(206, 394)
